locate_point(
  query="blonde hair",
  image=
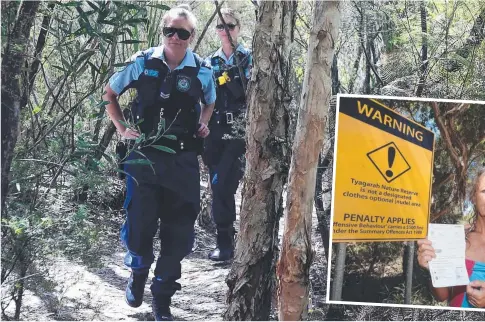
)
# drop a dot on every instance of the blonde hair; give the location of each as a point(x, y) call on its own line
point(473, 198)
point(180, 11)
point(231, 13)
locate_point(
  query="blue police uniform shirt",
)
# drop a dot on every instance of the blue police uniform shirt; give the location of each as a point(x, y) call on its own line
point(231, 61)
point(122, 79)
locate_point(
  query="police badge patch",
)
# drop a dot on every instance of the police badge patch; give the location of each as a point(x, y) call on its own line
point(151, 72)
point(183, 83)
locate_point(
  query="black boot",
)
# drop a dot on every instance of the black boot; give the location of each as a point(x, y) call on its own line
point(161, 308)
point(135, 289)
point(162, 291)
point(225, 245)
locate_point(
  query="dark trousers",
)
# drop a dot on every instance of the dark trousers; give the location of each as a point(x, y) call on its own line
point(152, 204)
point(226, 168)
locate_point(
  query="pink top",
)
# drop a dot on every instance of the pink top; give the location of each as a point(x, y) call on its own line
point(476, 271)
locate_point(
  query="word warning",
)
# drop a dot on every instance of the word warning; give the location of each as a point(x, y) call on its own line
point(383, 169)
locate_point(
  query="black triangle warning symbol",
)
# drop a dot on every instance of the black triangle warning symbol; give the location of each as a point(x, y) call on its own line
point(389, 161)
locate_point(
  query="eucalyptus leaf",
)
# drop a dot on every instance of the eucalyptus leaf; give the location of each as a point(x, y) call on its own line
point(108, 22)
point(170, 137)
point(135, 21)
point(131, 41)
point(163, 148)
point(159, 6)
point(124, 123)
point(138, 161)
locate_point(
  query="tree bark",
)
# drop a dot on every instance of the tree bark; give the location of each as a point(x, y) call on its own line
point(251, 279)
point(365, 43)
point(297, 254)
point(335, 78)
point(20, 285)
point(355, 70)
point(13, 60)
point(323, 186)
point(318, 200)
point(477, 34)
point(458, 151)
point(424, 50)
point(39, 48)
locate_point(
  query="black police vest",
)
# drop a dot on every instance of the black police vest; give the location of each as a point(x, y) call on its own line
point(171, 95)
point(226, 100)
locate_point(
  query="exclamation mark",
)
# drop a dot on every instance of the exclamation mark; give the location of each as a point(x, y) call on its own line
point(391, 153)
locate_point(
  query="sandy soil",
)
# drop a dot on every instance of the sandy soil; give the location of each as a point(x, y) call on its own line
point(74, 291)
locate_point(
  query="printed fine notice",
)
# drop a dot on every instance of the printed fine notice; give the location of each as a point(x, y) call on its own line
point(448, 268)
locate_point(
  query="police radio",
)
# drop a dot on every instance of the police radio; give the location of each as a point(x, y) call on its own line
point(223, 79)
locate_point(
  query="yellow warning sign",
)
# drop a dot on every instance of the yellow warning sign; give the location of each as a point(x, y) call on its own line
point(383, 169)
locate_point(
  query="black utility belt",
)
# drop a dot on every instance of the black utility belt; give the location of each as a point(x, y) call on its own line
point(227, 118)
point(186, 144)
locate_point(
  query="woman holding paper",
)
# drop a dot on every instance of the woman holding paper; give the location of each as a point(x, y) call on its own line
point(473, 294)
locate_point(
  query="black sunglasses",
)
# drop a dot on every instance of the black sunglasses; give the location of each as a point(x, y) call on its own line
point(231, 26)
point(181, 32)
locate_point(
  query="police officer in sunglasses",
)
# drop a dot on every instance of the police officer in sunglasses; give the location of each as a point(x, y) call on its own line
point(175, 99)
point(224, 148)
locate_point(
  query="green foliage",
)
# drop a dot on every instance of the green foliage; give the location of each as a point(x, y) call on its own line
point(62, 180)
point(60, 167)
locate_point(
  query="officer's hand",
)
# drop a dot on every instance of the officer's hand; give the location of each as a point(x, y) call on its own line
point(203, 130)
point(475, 292)
point(130, 134)
point(425, 253)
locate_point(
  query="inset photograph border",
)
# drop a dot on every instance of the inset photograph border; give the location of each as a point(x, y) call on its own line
point(374, 256)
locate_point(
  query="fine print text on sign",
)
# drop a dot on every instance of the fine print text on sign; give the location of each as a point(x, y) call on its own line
point(382, 178)
point(449, 267)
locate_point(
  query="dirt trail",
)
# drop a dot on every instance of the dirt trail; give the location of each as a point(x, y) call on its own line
point(75, 291)
point(80, 292)
point(98, 294)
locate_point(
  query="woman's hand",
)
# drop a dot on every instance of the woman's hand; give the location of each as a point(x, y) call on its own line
point(203, 130)
point(425, 253)
point(130, 134)
point(475, 292)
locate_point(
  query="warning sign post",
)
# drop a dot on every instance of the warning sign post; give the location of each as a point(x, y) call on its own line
point(383, 170)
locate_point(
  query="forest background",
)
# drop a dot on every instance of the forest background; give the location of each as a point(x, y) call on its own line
point(61, 198)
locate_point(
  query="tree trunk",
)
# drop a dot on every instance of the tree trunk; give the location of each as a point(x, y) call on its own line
point(454, 144)
point(318, 200)
point(39, 48)
point(297, 254)
point(107, 136)
point(424, 50)
point(20, 285)
point(355, 69)
point(365, 42)
point(323, 186)
point(477, 34)
point(112, 59)
point(251, 279)
point(13, 60)
point(335, 78)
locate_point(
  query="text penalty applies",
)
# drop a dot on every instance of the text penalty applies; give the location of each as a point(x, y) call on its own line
point(378, 219)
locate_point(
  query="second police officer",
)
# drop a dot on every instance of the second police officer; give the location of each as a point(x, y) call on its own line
point(170, 81)
point(225, 145)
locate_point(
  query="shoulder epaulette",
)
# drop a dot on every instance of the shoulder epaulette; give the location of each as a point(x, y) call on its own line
point(201, 62)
